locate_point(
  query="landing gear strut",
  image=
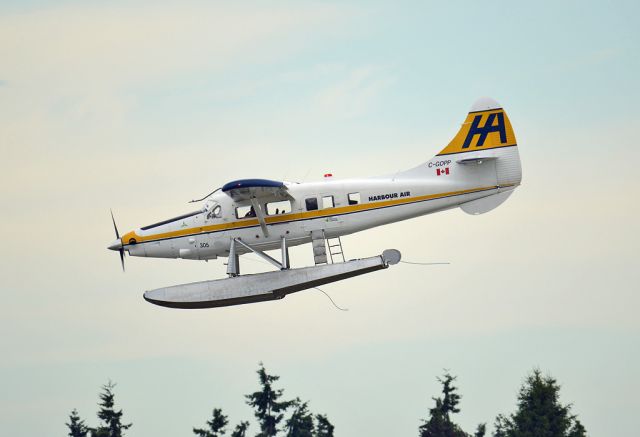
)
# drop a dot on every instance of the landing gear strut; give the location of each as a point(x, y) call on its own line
point(233, 266)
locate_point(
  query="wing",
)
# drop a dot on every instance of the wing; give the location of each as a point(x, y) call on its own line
point(256, 190)
point(247, 189)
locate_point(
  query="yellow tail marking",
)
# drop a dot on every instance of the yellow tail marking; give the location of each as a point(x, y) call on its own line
point(482, 130)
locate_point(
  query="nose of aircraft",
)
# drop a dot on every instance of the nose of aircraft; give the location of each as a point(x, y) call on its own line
point(116, 245)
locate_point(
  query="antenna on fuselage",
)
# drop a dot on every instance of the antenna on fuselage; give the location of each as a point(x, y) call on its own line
point(200, 200)
point(306, 174)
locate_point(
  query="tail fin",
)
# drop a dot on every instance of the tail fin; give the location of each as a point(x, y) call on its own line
point(482, 156)
point(486, 136)
point(486, 127)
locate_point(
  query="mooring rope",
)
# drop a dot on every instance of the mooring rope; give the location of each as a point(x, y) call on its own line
point(334, 304)
point(424, 264)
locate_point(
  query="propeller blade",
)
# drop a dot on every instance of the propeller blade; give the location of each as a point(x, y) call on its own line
point(119, 244)
point(114, 224)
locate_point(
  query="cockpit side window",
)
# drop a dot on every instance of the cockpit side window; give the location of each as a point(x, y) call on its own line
point(245, 211)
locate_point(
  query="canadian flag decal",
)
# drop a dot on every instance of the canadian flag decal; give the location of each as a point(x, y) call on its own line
point(442, 171)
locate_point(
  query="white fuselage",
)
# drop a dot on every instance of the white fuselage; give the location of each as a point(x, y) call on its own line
point(382, 200)
point(477, 171)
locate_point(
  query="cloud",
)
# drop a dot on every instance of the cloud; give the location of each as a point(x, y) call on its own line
point(79, 71)
point(589, 59)
point(83, 67)
point(355, 92)
point(98, 43)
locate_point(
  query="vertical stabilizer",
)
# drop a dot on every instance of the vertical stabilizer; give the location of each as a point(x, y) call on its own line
point(483, 151)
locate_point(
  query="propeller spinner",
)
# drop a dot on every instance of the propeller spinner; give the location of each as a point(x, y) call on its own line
point(117, 244)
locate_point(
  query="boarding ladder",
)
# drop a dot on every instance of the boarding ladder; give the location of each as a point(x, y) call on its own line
point(335, 248)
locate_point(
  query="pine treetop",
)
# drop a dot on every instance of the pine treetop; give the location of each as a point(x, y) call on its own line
point(267, 408)
point(240, 429)
point(217, 425)
point(76, 426)
point(539, 412)
point(112, 419)
point(300, 424)
point(324, 428)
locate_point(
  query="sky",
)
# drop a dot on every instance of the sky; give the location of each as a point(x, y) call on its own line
point(142, 106)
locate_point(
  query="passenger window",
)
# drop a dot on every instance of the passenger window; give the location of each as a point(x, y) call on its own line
point(311, 203)
point(354, 198)
point(245, 212)
point(282, 207)
point(327, 202)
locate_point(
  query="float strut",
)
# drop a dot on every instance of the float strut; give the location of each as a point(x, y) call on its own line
point(260, 253)
point(285, 255)
point(233, 265)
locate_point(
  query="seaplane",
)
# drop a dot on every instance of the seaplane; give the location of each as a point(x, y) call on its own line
point(477, 171)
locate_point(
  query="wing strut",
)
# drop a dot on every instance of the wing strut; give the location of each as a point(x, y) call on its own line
point(260, 215)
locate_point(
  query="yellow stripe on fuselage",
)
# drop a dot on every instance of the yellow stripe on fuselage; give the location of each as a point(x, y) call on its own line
point(292, 217)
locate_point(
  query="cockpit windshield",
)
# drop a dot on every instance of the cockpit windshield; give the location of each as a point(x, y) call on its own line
point(212, 209)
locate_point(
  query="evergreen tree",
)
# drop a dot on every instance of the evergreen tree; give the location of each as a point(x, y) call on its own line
point(577, 429)
point(439, 423)
point(240, 429)
point(112, 425)
point(539, 412)
point(451, 399)
point(300, 424)
point(501, 424)
point(217, 425)
point(324, 428)
point(269, 410)
point(481, 430)
point(76, 426)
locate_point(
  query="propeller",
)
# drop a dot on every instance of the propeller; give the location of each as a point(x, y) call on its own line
point(117, 245)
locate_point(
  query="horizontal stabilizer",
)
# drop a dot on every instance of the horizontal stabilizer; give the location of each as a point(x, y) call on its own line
point(486, 204)
point(477, 161)
point(264, 286)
